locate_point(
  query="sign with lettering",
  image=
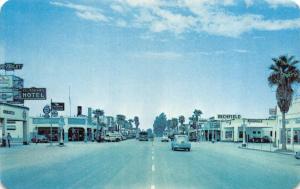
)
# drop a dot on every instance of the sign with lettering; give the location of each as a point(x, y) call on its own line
point(229, 116)
point(33, 93)
point(58, 106)
point(11, 66)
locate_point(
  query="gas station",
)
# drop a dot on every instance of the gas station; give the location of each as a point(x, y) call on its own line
point(15, 113)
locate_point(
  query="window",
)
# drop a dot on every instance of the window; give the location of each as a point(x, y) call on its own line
point(271, 133)
point(241, 134)
point(258, 132)
point(254, 132)
point(228, 134)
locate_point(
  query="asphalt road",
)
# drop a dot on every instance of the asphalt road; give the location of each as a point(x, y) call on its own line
point(134, 164)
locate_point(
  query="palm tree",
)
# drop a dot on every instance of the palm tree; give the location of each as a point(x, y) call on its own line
point(120, 121)
point(197, 114)
point(181, 121)
point(137, 123)
point(175, 124)
point(284, 74)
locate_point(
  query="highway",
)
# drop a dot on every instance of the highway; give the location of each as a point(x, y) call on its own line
point(138, 165)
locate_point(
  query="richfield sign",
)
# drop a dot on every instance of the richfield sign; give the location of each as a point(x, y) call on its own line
point(33, 94)
point(229, 116)
point(11, 66)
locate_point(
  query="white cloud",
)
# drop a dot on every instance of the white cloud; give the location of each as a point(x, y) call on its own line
point(158, 55)
point(121, 23)
point(277, 3)
point(117, 8)
point(83, 11)
point(249, 3)
point(181, 16)
point(2, 2)
point(240, 50)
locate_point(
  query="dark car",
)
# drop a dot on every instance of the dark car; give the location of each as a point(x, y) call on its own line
point(297, 155)
point(143, 136)
point(40, 139)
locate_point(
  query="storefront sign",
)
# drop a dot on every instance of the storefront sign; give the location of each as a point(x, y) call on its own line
point(5, 81)
point(254, 120)
point(58, 106)
point(8, 112)
point(229, 116)
point(33, 93)
point(11, 66)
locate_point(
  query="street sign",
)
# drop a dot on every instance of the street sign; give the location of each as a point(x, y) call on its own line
point(58, 106)
point(54, 113)
point(11, 66)
point(33, 93)
point(46, 109)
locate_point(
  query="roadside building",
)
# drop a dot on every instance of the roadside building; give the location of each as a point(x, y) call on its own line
point(210, 130)
point(75, 128)
point(14, 120)
point(292, 123)
point(257, 130)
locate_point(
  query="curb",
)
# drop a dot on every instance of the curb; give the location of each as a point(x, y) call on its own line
point(283, 153)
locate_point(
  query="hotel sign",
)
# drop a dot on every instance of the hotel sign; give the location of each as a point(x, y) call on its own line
point(229, 116)
point(11, 66)
point(33, 93)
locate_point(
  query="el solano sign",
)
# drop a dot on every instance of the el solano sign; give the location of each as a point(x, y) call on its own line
point(33, 93)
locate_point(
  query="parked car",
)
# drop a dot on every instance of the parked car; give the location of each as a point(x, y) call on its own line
point(297, 155)
point(40, 139)
point(164, 139)
point(143, 136)
point(113, 137)
point(181, 142)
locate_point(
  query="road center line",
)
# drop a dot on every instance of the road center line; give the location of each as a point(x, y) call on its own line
point(153, 168)
point(152, 157)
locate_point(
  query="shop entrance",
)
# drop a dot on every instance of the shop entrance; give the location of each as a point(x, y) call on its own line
point(76, 134)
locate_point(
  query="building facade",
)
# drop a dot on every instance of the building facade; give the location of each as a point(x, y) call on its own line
point(292, 124)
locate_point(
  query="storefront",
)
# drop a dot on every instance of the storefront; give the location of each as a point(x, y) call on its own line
point(256, 130)
point(14, 120)
point(292, 123)
point(75, 128)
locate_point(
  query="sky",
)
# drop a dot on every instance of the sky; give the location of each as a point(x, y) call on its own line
point(144, 57)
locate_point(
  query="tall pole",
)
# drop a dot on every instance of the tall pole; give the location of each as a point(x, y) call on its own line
point(51, 122)
point(244, 133)
point(70, 100)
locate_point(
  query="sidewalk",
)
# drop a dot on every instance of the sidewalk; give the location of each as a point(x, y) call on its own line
point(268, 147)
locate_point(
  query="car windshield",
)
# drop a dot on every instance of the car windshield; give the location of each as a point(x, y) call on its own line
point(181, 139)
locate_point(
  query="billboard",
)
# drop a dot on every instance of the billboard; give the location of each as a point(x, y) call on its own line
point(11, 66)
point(6, 81)
point(10, 89)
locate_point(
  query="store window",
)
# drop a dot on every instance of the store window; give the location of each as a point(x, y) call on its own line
point(228, 134)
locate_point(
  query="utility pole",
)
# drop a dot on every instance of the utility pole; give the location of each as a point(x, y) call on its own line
point(244, 133)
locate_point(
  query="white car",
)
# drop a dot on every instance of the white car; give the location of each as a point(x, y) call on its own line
point(113, 137)
point(164, 139)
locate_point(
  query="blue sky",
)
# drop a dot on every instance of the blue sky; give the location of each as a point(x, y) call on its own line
point(144, 57)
